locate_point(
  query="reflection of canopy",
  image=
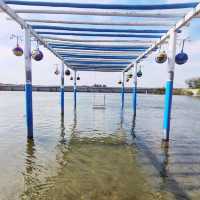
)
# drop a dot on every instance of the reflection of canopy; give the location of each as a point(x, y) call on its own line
point(149, 24)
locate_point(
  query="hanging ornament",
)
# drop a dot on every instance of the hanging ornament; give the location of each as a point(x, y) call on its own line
point(161, 57)
point(18, 51)
point(67, 72)
point(37, 55)
point(139, 73)
point(71, 78)
point(57, 72)
point(78, 78)
point(127, 80)
point(130, 76)
point(181, 58)
point(120, 82)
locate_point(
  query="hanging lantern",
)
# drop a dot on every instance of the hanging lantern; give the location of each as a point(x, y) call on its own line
point(57, 72)
point(18, 51)
point(139, 73)
point(67, 72)
point(181, 58)
point(78, 78)
point(37, 55)
point(119, 82)
point(161, 57)
point(130, 76)
point(71, 78)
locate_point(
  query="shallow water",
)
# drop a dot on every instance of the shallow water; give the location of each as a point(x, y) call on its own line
point(99, 154)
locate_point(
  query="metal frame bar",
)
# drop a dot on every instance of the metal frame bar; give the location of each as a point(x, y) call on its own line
point(75, 88)
point(28, 84)
point(104, 30)
point(116, 46)
point(105, 23)
point(105, 6)
point(169, 85)
point(57, 39)
point(145, 36)
point(65, 55)
point(135, 90)
point(62, 89)
point(123, 90)
point(101, 13)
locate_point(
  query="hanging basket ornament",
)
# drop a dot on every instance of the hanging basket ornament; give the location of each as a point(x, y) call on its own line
point(127, 80)
point(18, 51)
point(37, 55)
point(67, 72)
point(78, 78)
point(161, 57)
point(71, 78)
point(181, 58)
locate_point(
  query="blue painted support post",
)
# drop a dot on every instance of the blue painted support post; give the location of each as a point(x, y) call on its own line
point(135, 90)
point(169, 85)
point(28, 85)
point(123, 90)
point(75, 89)
point(62, 90)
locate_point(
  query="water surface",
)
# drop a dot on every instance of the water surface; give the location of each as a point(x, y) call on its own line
point(99, 154)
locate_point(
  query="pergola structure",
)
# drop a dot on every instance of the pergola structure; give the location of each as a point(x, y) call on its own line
point(122, 37)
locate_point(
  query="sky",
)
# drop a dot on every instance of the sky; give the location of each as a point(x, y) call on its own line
point(154, 75)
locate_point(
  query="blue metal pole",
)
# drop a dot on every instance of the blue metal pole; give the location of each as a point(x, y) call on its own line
point(62, 90)
point(169, 86)
point(123, 90)
point(75, 89)
point(28, 85)
point(135, 90)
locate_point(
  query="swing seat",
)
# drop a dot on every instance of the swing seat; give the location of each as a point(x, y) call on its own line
point(99, 106)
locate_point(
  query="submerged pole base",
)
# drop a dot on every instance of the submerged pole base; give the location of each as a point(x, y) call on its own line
point(166, 136)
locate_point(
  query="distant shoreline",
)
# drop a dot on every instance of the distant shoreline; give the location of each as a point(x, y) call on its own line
point(92, 89)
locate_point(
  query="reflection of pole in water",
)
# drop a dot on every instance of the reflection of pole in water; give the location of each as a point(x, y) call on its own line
point(165, 159)
point(133, 126)
point(30, 157)
point(62, 128)
point(74, 122)
point(121, 118)
point(31, 179)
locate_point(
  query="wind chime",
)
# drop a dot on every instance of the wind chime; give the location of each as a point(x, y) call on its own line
point(181, 58)
point(18, 51)
point(37, 54)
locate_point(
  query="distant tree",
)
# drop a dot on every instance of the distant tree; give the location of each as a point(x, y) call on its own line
point(193, 83)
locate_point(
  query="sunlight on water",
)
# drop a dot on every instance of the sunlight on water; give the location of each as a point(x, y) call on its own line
point(98, 154)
